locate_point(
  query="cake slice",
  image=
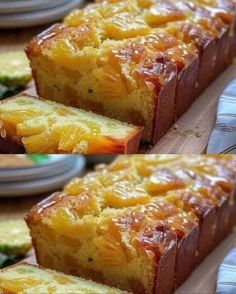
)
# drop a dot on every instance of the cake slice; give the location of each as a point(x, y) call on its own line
point(25, 278)
point(47, 127)
point(121, 247)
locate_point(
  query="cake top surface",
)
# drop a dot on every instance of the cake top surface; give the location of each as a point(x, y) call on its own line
point(141, 180)
point(121, 20)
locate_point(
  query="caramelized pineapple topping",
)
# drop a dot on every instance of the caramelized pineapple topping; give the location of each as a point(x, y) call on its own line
point(124, 26)
point(123, 194)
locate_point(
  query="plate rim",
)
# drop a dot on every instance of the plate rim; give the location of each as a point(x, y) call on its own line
point(51, 183)
point(19, 168)
point(31, 19)
point(16, 7)
point(39, 172)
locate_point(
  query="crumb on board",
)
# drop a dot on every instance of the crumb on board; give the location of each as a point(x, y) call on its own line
point(176, 131)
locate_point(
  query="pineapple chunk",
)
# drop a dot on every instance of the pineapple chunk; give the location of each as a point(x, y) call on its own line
point(40, 143)
point(76, 186)
point(110, 251)
point(124, 26)
point(109, 10)
point(18, 285)
point(159, 209)
point(104, 144)
point(110, 83)
point(161, 14)
point(67, 51)
point(145, 3)
point(31, 127)
point(78, 17)
point(7, 129)
point(65, 221)
point(162, 181)
point(79, 185)
point(70, 134)
point(109, 179)
point(26, 278)
point(124, 195)
point(17, 117)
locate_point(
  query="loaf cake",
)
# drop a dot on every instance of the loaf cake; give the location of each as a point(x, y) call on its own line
point(47, 127)
point(25, 278)
point(141, 224)
point(142, 62)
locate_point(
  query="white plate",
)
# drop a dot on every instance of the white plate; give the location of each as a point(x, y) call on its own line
point(39, 17)
point(30, 188)
point(13, 6)
point(54, 165)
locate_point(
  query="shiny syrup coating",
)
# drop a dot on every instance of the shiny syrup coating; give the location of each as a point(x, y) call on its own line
point(155, 238)
point(163, 180)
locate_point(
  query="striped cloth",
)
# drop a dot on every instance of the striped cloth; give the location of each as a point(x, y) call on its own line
point(223, 137)
point(226, 281)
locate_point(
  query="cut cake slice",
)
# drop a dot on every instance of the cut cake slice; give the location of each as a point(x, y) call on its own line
point(25, 278)
point(47, 127)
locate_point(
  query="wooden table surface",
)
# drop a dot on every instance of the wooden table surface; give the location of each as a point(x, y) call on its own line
point(15, 208)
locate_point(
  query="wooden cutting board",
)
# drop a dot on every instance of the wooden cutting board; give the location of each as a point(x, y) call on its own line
point(191, 133)
point(203, 279)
